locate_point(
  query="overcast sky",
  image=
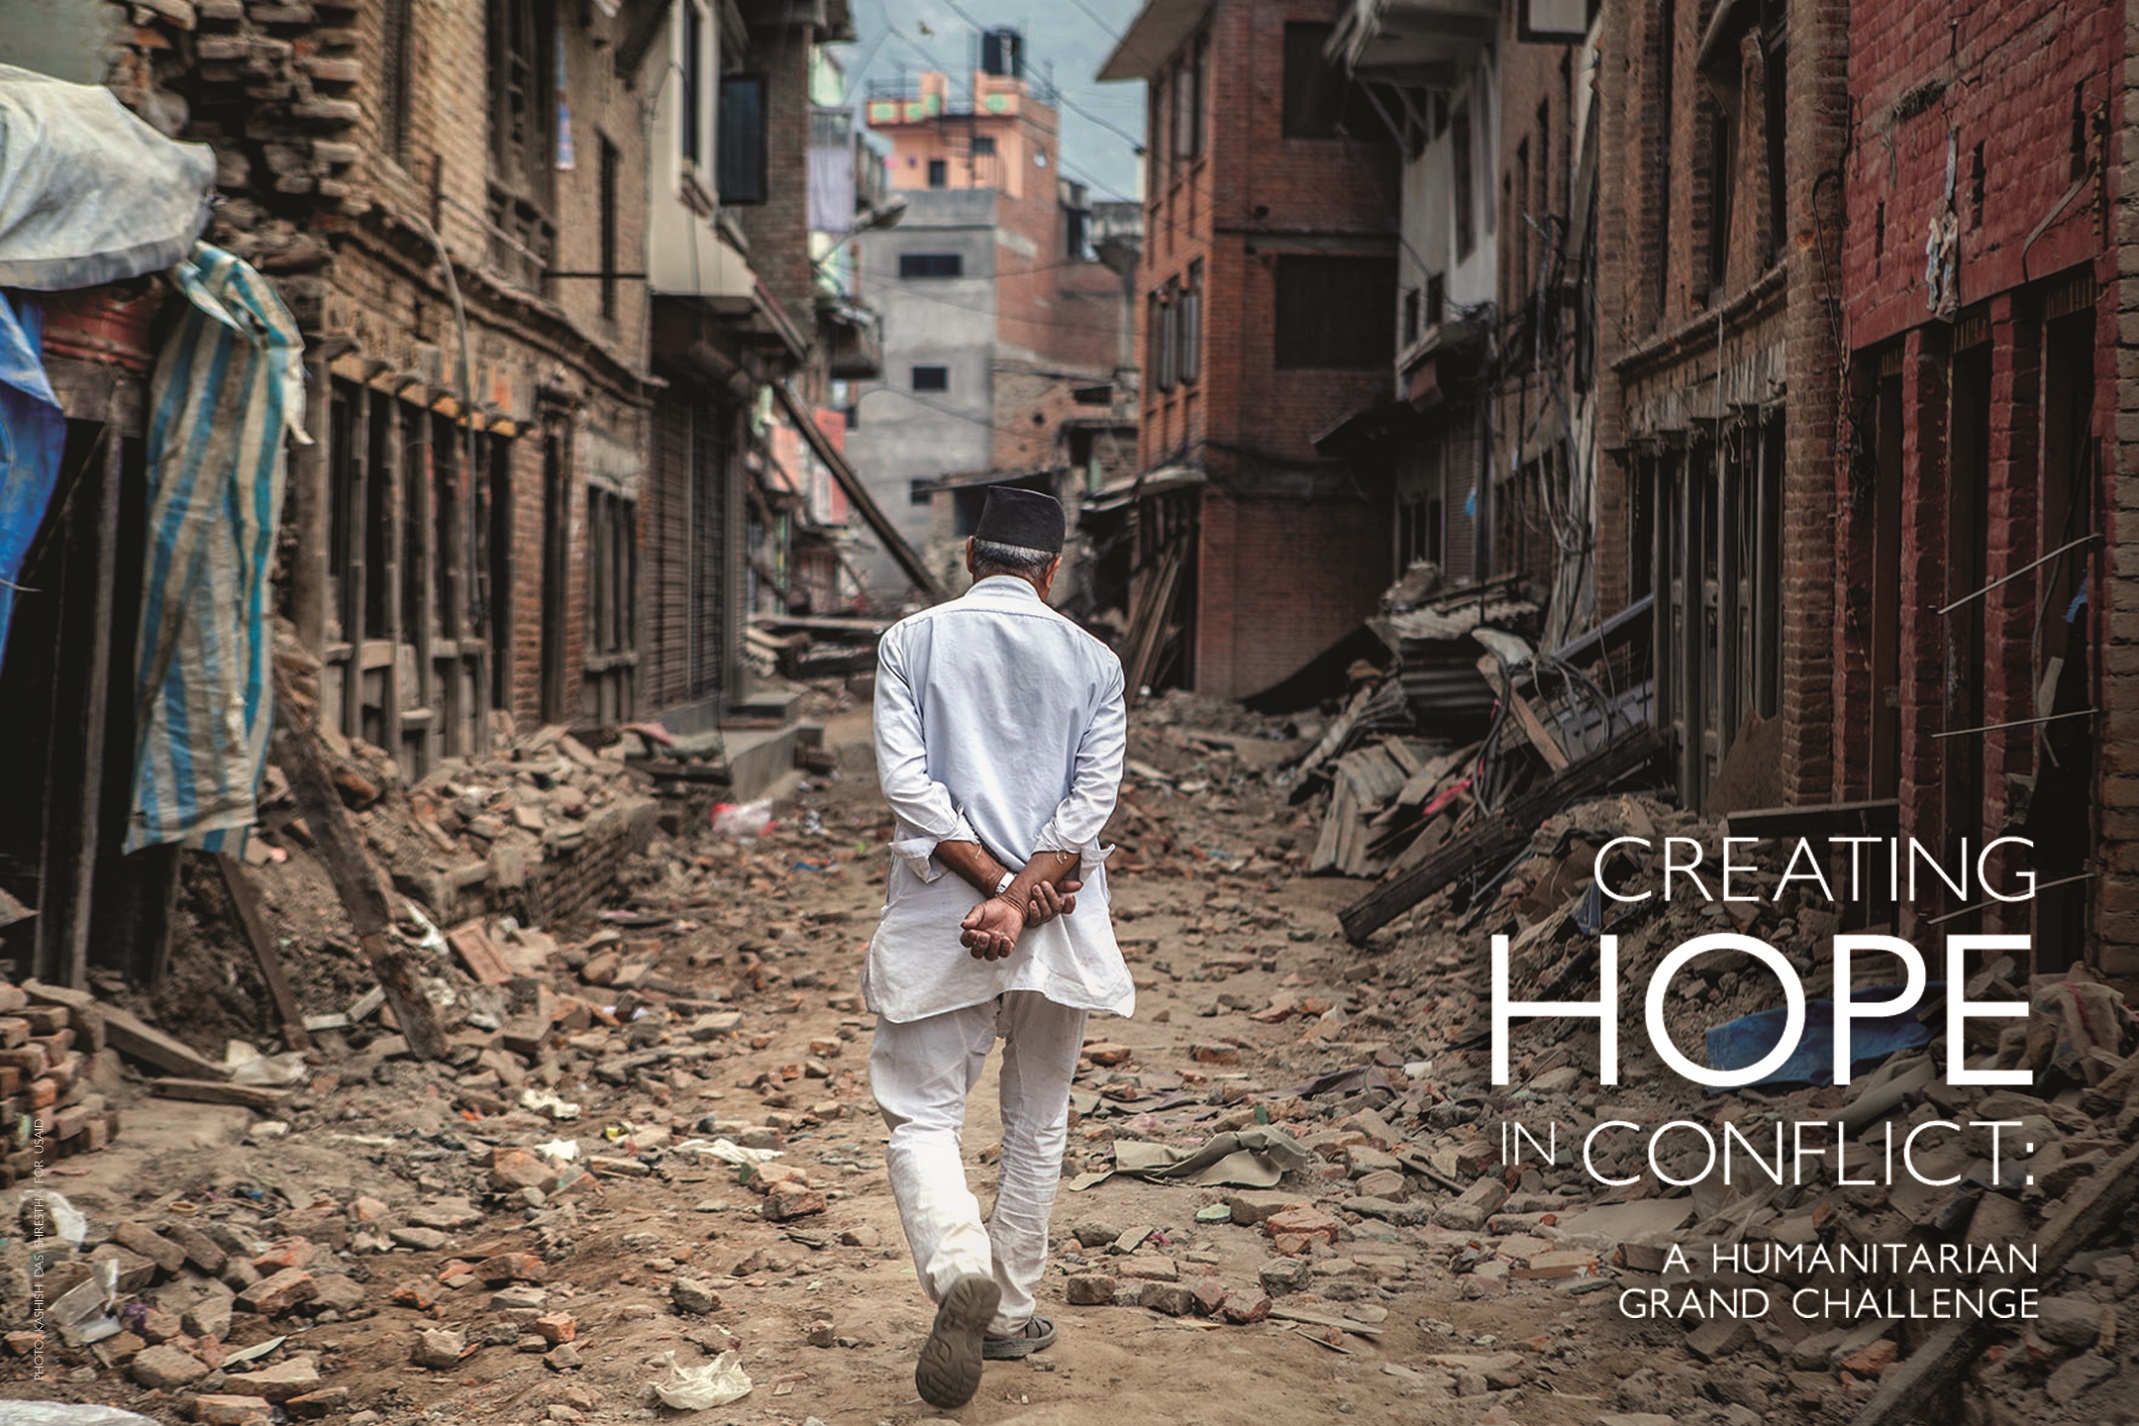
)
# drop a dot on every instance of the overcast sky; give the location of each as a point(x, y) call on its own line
point(1073, 37)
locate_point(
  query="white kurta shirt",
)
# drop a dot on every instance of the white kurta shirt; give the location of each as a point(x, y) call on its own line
point(998, 721)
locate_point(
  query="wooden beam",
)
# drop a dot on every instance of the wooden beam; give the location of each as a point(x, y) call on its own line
point(2096, 1206)
point(203, 1091)
point(356, 880)
point(247, 905)
point(97, 757)
point(130, 1035)
point(1841, 819)
point(1499, 836)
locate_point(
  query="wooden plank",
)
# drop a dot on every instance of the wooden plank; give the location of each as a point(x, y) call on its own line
point(1496, 837)
point(356, 880)
point(130, 1035)
point(1841, 819)
point(1548, 747)
point(204, 1091)
point(2099, 1204)
point(247, 905)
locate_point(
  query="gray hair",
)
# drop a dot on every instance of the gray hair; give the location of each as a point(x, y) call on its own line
point(993, 557)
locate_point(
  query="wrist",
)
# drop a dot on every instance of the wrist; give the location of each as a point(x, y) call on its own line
point(1002, 885)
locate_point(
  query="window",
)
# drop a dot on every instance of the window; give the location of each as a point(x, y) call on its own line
point(931, 378)
point(939, 173)
point(611, 165)
point(1464, 200)
point(1414, 307)
point(1155, 125)
point(1320, 103)
point(1333, 312)
point(394, 80)
point(1722, 180)
point(740, 140)
point(984, 146)
point(1436, 300)
point(1165, 334)
point(918, 492)
point(1190, 323)
point(1191, 93)
point(523, 137)
point(612, 572)
point(692, 97)
point(932, 265)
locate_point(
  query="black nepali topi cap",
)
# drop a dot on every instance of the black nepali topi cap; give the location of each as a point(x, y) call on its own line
point(1024, 518)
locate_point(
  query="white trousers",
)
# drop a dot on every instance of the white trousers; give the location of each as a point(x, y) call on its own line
point(922, 1073)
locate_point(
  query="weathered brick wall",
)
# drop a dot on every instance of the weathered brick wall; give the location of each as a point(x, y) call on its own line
point(1281, 581)
point(1994, 94)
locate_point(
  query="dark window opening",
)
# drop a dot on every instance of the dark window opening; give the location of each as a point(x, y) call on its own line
point(1722, 181)
point(1319, 102)
point(984, 146)
point(920, 492)
point(740, 140)
point(932, 378)
point(611, 166)
point(1977, 177)
point(523, 137)
point(1414, 315)
point(1463, 198)
point(394, 73)
point(1190, 324)
point(932, 265)
point(1332, 312)
point(939, 173)
point(1436, 300)
point(692, 98)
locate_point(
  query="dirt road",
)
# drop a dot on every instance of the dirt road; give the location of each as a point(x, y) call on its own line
point(747, 964)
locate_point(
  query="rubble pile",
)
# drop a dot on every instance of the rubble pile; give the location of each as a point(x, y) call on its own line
point(444, 1197)
point(1392, 1165)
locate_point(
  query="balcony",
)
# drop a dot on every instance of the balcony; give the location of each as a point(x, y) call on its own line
point(1419, 44)
point(853, 337)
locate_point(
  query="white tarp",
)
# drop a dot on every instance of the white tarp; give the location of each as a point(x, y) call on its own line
point(89, 193)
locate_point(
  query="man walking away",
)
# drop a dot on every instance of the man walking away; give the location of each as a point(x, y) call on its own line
point(1000, 733)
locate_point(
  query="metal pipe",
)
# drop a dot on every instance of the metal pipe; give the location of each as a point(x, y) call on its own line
point(2018, 723)
point(2009, 578)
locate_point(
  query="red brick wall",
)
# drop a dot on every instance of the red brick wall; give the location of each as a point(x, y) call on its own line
point(1253, 195)
point(1280, 582)
point(1996, 86)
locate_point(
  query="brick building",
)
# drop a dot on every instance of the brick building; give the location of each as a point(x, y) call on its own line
point(1976, 590)
point(1269, 274)
point(1003, 321)
point(1717, 400)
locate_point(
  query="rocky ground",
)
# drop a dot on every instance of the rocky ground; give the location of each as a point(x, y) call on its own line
point(657, 1148)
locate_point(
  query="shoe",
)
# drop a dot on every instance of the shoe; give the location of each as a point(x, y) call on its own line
point(949, 1370)
point(1037, 1335)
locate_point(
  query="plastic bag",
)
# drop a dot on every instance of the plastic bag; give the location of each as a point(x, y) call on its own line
point(748, 819)
point(61, 1219)
point(717, 1383)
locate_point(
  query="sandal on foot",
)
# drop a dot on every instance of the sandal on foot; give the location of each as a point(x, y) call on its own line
point(1037, 1335)
point(949, 1370)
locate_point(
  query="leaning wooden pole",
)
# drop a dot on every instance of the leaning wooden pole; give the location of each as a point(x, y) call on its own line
point(356, 880)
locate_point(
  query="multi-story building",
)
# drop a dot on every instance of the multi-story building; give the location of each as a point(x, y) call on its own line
point(1433, 69)
point(1977, 597)
point(1001, 320)
point(1269, 275)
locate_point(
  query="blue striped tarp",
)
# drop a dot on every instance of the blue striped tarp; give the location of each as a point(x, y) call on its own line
point(228, 388)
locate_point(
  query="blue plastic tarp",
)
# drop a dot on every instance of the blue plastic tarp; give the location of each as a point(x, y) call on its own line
point(1748, 1039)
point(33, 431)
